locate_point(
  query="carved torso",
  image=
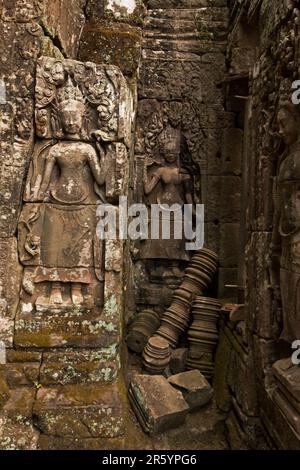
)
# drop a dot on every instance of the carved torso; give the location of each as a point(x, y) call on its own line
point(73, 185)
point(171, 181)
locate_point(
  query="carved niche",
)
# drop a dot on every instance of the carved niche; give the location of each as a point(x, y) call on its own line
point(165, 171)
point(82, 115)
point(286, 226)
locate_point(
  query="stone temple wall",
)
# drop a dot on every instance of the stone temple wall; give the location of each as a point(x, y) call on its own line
point(263, 61)
point(205, 85)
point(172, 55)
point(29, 29)
point(62, 381)
point(181, 96)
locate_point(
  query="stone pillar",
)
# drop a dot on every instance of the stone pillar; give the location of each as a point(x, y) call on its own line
point(64, 366)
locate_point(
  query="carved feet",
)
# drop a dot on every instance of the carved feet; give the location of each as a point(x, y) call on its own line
point(56, 298)
point(76, 294)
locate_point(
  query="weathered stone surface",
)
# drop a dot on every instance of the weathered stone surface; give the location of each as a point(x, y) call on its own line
point(212, 235)
point(237, 313)
point(18, 408)
point(193, 85)
point(72, 366)
point(17, 436)
point(275, 422)
point(178, 360)
point(229, 244)
point(240, 380)
point(71, 443)
point(195, 389)
point(22, 374)
point(127, 11)
point(242, 59)
point(155, 415)
point(83, 411)
point(29, 30)
point(288, 376)
point(19, 356)
point(75, 328)
point(63, 20)
point(112, 44)
point(232, 151)
point(231, 193)
point(178, 3)
point(263, 312)
point(10, 277)
point(266, 353)
point(227, 277)
point(4, 389)
point(222, 365)
point(152, 295)
point(16, 427)
point(235, 435)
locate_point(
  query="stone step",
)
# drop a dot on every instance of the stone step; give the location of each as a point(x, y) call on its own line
point(174, 55)
point(168, 26)
point(181, 4)
point(208, 14)
point(183, 26)
point(194, 47)
point(171, 36)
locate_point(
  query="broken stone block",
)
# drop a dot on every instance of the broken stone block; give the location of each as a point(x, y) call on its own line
point(157, 405)
point(195, 389)
point(178, 360)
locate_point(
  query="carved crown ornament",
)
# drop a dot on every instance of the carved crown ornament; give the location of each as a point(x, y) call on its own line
point(98, 92)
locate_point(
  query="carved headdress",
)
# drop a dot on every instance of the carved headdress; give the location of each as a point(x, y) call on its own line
point(69, 92)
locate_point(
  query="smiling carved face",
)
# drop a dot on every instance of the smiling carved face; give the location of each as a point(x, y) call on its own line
point(72, 117)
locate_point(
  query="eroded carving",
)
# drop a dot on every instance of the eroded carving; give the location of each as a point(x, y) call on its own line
point(77, 116)
point(166, 180)
point(286, 232)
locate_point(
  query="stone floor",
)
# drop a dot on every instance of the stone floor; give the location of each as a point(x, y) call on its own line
point(202, 430)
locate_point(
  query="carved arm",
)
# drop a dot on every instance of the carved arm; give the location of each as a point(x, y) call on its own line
point(150, 185)
point(99, 173)
point(50, 162)
point(188, 187)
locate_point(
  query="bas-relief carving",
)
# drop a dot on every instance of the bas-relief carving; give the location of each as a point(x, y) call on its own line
point(81, 123)
point(286, 227)
point(164, 170)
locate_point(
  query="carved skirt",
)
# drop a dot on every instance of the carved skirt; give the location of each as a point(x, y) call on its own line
point(69, 250)
point(160, 248)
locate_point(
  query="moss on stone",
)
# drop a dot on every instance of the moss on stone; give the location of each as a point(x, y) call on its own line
point(23, 356)
point(4, 392)
point(114, 44)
